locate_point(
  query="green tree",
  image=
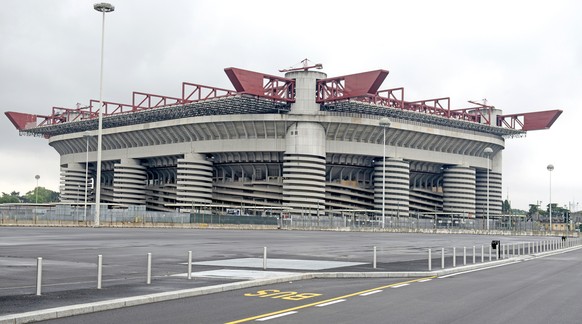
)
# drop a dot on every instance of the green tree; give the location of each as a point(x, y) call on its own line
point(506, 207)
point(44, 196)
point(533, 209)
point(11, 198)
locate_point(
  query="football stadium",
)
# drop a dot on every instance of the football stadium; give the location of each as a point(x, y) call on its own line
point(302, 142)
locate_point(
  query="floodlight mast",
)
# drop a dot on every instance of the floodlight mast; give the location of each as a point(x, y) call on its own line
point(550, 168)
point(103, 8)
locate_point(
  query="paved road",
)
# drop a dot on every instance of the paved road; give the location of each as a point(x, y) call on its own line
point(544, 290)
point(70, 257)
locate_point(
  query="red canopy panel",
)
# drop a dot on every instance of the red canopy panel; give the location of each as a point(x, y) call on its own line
point(364, 83)
point(260, 84)
point(351, 86)
point(531, 121)
point(21, 120)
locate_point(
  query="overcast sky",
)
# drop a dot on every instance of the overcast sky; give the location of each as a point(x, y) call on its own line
point(521, 56)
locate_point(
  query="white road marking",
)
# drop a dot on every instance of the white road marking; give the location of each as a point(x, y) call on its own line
point(469, 271)
point(275, 316)
point(331, 303)
point(371, 293)
point(424, 280)
point(398, 286)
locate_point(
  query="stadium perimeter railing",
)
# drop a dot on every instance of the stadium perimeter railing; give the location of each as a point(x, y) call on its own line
point(70, 215)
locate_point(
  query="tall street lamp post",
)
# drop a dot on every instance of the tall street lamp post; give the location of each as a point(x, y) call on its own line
point(36, 196)
point(550, 168)
point(36, 189)
point(488, 152)
point(385, 123)
point(103, 8)
point(86, 136)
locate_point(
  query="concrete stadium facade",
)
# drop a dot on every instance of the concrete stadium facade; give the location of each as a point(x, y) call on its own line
point(302, 155)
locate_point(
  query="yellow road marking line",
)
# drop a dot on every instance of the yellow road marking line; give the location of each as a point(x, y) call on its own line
point(248, 319)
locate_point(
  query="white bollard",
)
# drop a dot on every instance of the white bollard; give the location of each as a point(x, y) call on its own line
point(490, 253)
point(265, 258)
point(482, 254)
point(473, 254)
point(149, 269)
point(464, 255)
point(374, 257)
point(454, 257)
point(503, 252)
point(189, 265)
point(513, 245)
point(99, 270)
point(442, 258)
point(38, 276)
point(429, 260)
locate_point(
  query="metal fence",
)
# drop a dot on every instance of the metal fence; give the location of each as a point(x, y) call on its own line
point(413, 222)
point(78, 215)
point(63, 214)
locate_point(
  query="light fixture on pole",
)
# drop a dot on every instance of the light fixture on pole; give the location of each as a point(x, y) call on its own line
point(103, 8)
point(488, 152)
point(36, 196)
point(550, 168)
point(36, 189)
point(86, 136)
point(385, 123)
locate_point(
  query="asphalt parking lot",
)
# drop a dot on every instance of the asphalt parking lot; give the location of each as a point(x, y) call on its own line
point(218, 256)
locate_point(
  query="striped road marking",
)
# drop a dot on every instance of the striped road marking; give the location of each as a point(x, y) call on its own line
point(331, 303)
point(293, 310)
point(275, 316)
point(371, 293)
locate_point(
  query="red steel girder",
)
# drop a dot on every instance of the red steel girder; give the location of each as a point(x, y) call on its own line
point(192, 92)
point(142, 100)
point(109, 108)
point(430, 106)
point(391, 97)
point(262, 85)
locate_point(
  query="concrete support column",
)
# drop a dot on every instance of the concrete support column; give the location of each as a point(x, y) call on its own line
point(397, 187)
point(194, 180)
point(459, 190)
point(304, 169)
point(495, 193)
point(129, 182)
point(72, 184)
point(305, 88)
